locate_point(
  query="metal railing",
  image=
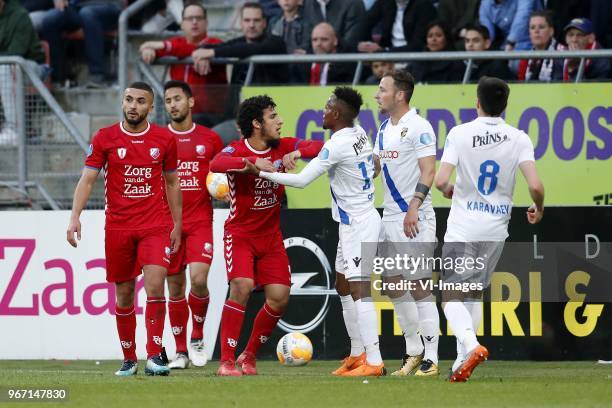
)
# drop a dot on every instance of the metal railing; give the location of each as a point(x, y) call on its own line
point(45, 139)
point(469, 57)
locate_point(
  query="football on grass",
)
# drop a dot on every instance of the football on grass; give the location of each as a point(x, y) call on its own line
point(294, 349)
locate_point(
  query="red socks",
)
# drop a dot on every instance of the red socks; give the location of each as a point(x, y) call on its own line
point(155, 314)
point(231, 323)
point(126, 328)
point(198, 306)
point(178, 312)
point(265, 322)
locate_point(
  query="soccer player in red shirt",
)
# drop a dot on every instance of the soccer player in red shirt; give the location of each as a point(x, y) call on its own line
point(140, 234)
point(196, 146)
point(253, 243)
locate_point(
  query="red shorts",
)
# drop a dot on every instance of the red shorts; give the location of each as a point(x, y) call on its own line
point(261, 258)
point(127, 251)
point(196, 246)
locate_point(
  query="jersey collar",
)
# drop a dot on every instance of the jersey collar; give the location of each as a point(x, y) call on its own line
point(488, 120)
point(246, 142)
point(134, 134)
point(178, 132)
point(407, 116)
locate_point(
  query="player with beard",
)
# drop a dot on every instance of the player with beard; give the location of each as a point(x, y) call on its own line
point(196, 146)
point(253, 243)
point(140, 234)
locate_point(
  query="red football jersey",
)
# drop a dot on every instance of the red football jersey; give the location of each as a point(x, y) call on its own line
point(255, 202)
point(133, 181)
point(196, 148)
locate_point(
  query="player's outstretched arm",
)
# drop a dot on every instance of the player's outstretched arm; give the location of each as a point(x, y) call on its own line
point(311, 172)
point(81, 195)
point(175, 202)
point(536, 190)
point(377, 166)
point(442, 179)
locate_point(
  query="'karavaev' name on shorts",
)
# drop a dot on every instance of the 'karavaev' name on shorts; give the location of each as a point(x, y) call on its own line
point(405, 285)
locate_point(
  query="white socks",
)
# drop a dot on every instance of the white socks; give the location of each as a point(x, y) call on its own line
point(368, 328)
point(474, 307)
point(349, 312)
point(460, 321)
point(430, 327)
point(408, 319)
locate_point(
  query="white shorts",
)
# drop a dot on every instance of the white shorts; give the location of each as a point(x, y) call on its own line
point(484, 256)
point(358, 242)
point(393, 241)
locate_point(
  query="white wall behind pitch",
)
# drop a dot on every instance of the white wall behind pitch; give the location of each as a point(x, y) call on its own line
point(29, 329)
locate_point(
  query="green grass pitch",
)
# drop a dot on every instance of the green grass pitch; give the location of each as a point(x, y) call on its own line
point(494, 384)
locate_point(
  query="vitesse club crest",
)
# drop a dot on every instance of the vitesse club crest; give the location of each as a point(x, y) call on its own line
point(200, 150)
point(121, 152)
point(154, 151)
point(403, 133)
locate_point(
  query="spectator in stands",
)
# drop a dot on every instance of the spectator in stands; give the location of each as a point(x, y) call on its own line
point(601, 15)
point(166, 15)
point(404, 24)
point(325, 41)
point(579, 36)
point(379, 69)
point(457, 14)
point(507, 22)
point(37, 9)
point(254, 42)
point(438, 39)
point(17, 38)
point(477, 39)
point(95, 18)
point(542, 36)
point(272, 9)
point(564, 10)
point(345, 16)
point(208, 89)
point(292, 27)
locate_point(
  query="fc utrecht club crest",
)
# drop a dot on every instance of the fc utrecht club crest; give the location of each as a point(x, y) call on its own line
point(200, 149)
point(121, 152)
point(208, 247)
point(403, 133)
point(154, 151)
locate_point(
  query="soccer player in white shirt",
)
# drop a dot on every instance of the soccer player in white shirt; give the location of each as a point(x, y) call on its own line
point(405, 153)
point(347, 157)
point(486, 153)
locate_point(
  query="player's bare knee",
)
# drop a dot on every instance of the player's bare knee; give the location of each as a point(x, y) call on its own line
point(124, 293)
point(176, 285)
point(240, 290)
point(198, 285)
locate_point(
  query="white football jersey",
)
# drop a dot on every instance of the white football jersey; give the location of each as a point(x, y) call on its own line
point(487, 153)
point(400, 147)
point(347, 157)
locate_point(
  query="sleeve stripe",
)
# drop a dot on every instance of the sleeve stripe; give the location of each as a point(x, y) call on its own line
point(92, 167)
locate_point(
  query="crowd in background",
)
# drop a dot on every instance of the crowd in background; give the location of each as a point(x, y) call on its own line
point(323, 27)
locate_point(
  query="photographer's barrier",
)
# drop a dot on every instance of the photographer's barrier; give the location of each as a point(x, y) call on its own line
point(55, 303)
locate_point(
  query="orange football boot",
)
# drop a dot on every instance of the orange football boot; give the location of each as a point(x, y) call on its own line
point(476, 356)
point(350, 363)
point(367, 370)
